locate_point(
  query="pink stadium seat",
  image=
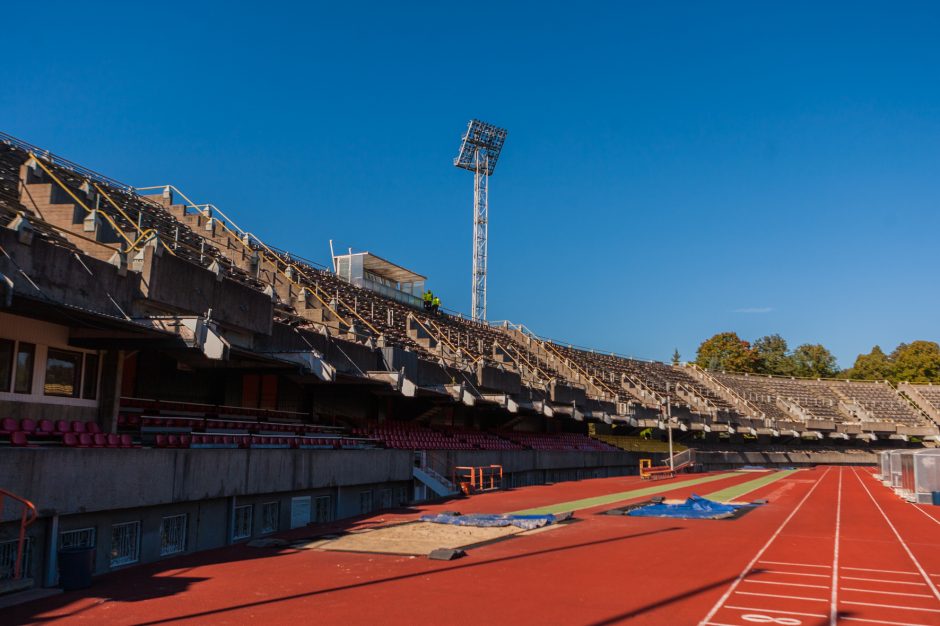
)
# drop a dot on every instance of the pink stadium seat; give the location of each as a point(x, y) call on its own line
point(45, 428)
point(78, 427)
point(185, 441)
point(8, 425)
point(93, 428)
point(27, 425)
point(161, 441)
point(114, 441)
point(85, 440)
point(101, 440)
point(127, 441)
point(70, 439)
point(62, 427)
point(19, 439)
point(172, 441)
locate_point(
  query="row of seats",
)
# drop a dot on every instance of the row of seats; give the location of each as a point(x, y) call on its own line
point(46, 428)
point(177, 424)
point(257, 441)
point(20, 439)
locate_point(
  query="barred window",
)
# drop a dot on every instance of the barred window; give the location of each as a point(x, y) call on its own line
point(8, 558)
point(241, 527)
point(125, 543)
point(270, 513)
point(365, 501)
point(173, 535)
point(323, 509)
point(78, 538)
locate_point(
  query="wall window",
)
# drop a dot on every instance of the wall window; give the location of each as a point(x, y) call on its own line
point(241, 526)
point(323, 509)
point(90, 383)
point(6, 364)
point(8, 558)
point(125, 543)
point(63, 373)
point(386, 495)
point(79, 538)
point(270, 513)
point(173, 535)
point(23, 377)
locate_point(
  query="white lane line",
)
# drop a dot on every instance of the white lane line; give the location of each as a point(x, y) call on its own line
point(721, 624)
point(880, 621)
point(796, 564)
point(833, 598)
point(883, 571)
point(760, 553)
point(746, 608)
point(892, 606)
point(932, 518)
point(776, 571)
point(882, 580)
point(773, 595)
point(889, 593)
point(920, 569)
point(770, 582)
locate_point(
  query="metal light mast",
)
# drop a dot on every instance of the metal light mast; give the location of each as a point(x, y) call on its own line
point(479, 152)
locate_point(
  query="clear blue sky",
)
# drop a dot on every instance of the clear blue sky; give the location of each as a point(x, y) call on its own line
point(671, 171)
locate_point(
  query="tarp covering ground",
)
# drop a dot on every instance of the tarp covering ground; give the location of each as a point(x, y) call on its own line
point(489, 520)
point(695, 507)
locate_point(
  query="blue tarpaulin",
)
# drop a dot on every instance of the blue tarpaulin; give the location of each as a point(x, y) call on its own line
point(526, 522)
point(695, 507)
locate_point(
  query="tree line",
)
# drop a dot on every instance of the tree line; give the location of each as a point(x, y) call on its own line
point(916, 362)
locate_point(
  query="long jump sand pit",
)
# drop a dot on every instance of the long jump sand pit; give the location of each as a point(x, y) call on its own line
point(420, 538)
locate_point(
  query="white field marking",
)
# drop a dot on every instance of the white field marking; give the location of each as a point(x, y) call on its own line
point(889, 593)
point(772, 595)
point(920, 569)
point(892, 606)
point(760, 553)
point(932, 518)
point(721, 624)
point(776, 571)
point(745, 608)
point(883, 571)
point(796, 564)
point(770, 582)
point(833, 598)
point(881, 621)
point(882, 580)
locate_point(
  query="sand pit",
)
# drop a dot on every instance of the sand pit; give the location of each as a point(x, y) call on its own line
point(417, 538)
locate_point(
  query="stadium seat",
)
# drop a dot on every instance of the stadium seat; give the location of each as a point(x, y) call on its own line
point(70, 439)
point(93, 428)
point(8, 425)
point(100, 440)
point(85, 440)
point(78, 427)
point(62, 427)
point(114, 441)
point(19, 439)
point(127, 441)
point(27, 425)
point(45, 428)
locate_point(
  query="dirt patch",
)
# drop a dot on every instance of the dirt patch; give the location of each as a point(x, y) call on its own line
point(417, 538)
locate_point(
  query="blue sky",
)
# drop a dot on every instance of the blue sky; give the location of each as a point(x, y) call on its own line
point(672, 170)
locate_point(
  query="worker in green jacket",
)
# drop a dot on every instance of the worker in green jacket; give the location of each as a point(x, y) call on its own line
point(436, 305)
point(427, 298)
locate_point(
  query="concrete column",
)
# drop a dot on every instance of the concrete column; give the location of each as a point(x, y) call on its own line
point(109, 393)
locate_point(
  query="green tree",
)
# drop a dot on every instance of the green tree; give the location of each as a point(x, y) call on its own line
point(814, 361)
point(727, 352)
point(916, 362)
point(676, 357)
point(772, 355)
point(872, 366)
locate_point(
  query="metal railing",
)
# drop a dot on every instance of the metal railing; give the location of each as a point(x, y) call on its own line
point(27, 517)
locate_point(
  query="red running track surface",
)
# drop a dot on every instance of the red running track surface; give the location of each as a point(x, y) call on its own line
point(833, 547)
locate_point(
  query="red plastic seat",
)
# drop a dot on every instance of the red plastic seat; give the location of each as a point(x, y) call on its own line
point(27, 425)
point(8, 425)
point(85, 440)
point(161, 441)
point(127, 441)
point(114, 441)
point(101, 440)
point(70, 439)
point(45, 428)
point(185, 440)
point(93, 428)
point(78, 427)
point(62, 427)
point(19, 439)
point(172, 441)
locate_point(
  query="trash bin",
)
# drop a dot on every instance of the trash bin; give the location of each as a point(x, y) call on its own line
point(75, 568)
point(936, 497)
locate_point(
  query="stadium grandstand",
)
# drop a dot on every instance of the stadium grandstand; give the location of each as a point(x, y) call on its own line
point(216, 389)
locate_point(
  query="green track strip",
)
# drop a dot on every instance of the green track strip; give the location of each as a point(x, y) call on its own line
point(586, 503)
point(736, 491)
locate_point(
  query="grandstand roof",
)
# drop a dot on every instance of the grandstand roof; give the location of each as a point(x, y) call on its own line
point(385, 268)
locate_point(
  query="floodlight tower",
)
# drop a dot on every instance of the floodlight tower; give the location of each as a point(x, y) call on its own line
point(479, 152)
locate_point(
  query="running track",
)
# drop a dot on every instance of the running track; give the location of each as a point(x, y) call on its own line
point(833, 547)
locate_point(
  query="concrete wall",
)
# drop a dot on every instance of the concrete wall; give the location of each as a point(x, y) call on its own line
point(709, 461)
point(66, 481)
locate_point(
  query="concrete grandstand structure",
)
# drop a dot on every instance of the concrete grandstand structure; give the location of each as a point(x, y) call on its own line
point(204, 382)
